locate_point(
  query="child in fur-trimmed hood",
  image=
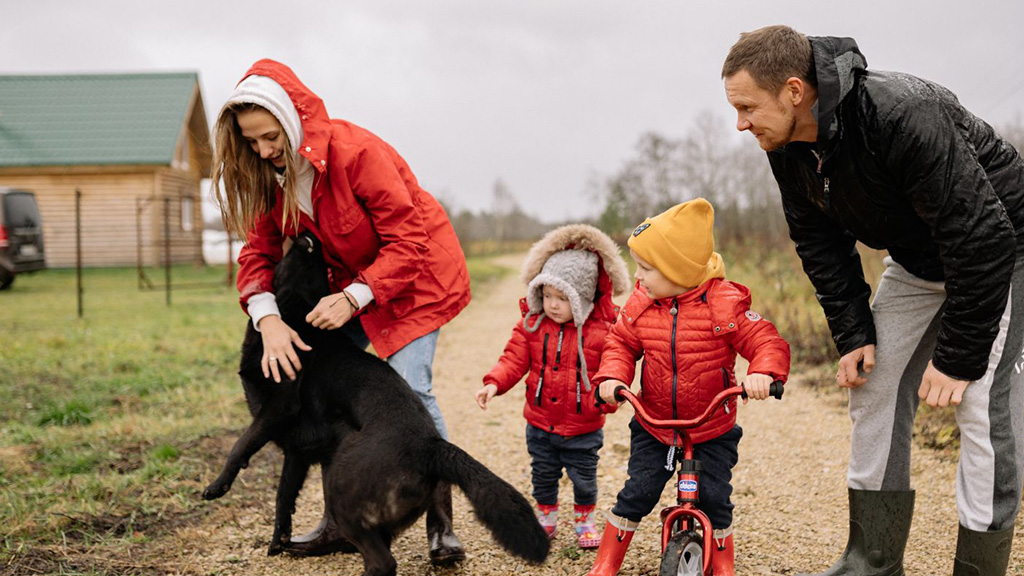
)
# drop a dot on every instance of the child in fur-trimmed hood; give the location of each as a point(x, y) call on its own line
point(571, 275)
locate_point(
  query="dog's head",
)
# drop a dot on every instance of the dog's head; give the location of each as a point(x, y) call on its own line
point(300, 279)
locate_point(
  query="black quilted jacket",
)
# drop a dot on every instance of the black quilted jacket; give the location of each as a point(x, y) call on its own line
point(900, 165)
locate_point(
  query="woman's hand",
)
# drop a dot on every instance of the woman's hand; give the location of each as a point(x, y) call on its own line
point(607, 391)
point(333, 311)
point(484, 395)
point(279, 343)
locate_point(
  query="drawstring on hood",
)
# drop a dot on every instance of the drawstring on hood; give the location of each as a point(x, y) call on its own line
point(837, 61)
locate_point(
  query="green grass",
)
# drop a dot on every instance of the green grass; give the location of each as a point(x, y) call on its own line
point(98, 410)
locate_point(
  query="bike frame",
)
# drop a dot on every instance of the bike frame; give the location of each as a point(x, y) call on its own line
point(685, 513)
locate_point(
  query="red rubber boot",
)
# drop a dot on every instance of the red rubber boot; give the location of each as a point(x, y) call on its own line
point(722, 557)
point(612, 550)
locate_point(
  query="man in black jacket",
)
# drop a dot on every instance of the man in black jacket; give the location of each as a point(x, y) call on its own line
point(895, 162)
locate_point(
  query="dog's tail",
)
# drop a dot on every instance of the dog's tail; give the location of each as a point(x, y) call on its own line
point(498, 506)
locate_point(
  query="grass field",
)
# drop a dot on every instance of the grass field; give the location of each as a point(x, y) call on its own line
point(110, 422)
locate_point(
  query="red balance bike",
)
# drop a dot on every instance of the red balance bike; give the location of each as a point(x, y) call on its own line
point(686, 537)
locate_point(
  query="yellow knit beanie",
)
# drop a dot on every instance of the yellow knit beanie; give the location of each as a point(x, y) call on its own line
point(680, 244)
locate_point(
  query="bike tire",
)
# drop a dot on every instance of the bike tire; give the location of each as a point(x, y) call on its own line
point(683, 556)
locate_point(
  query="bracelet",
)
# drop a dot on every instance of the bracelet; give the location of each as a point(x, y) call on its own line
point(351, 301)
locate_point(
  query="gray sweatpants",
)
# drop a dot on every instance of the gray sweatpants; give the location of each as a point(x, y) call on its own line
point(907, 312)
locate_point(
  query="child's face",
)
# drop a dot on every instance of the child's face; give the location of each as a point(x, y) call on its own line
point(653, 282)
point(556, 305)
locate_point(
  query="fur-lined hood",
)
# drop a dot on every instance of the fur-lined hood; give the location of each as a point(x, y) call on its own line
point(613, 277)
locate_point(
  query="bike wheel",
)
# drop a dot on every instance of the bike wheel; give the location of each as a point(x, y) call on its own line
point(684, 555)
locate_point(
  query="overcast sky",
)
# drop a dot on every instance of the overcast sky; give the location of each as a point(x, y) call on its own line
point(542, 94)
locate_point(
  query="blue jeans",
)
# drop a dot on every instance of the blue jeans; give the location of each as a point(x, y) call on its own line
point(648, 476)
point(577, 454)
point(414, 363)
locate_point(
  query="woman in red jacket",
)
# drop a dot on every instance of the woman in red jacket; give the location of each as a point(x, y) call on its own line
point(571, 275)
point(395, 266)
point(688, 324)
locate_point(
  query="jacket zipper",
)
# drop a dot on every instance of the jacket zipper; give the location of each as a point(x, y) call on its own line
point(825, 194)
point(725, 385)
point(674, 311)
point(543, 368)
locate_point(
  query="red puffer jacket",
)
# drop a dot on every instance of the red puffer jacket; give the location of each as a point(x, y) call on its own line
point(689, 345)
point(556, 399)
point(376, 224)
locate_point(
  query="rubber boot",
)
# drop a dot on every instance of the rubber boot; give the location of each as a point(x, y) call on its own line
point(722, 557)
point(879, 526)
point(445, 547)
point(322, 540)
point(982, 553)
point(612, 550)
point(583, 521)
point(547, 515)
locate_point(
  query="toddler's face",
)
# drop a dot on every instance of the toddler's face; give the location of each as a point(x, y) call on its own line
point(556, 305)
point(654, 282)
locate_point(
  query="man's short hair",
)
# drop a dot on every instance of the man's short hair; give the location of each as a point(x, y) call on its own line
point(772, 55)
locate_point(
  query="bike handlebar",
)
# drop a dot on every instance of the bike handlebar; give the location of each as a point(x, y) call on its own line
point(622, 393)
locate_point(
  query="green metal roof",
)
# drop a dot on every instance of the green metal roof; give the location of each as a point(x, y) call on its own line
point(92, 118)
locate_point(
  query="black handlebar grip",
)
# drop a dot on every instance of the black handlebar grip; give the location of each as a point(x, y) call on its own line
point(775, 390)
point(618, 395)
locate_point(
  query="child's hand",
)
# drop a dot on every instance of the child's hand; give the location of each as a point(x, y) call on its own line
point(484, 395)
point(758, 386)
point(607, 391)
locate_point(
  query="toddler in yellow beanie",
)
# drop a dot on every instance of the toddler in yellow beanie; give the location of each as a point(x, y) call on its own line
point(688, 323)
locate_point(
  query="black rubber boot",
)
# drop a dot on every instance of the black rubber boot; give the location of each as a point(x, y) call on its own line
point(879, 526)
point(445, 547)
point(321, 541)
point(982, 553)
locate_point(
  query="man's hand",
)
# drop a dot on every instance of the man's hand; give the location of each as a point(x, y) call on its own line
point(851, 364)
point(333, 311)
point(937, 389)
point(484, 395)
point(279, 343)
point(757, 386)
point(607, 391)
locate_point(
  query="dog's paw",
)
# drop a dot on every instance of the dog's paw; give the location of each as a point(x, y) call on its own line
point(215, 490)
point(275, 548)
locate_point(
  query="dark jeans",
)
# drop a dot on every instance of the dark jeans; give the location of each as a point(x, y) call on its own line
point(648, 476)
point(577, 454)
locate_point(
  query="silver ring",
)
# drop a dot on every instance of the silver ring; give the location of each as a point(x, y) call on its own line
point(272, 359)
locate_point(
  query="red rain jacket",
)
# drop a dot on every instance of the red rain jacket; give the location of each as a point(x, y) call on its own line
point(711, 324)
point(376, 224)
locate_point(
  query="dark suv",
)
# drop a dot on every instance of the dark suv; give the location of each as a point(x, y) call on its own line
point(21, 235)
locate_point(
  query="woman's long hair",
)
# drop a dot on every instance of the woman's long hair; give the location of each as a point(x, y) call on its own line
point(243, 183)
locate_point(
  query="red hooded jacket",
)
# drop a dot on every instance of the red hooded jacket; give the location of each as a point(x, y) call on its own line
point(689, 345)
point(376, 224)
point(557, 400)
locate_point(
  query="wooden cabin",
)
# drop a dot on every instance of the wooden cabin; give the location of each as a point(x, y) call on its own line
point(136, 146)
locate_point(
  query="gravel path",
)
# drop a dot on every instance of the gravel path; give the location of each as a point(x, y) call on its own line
point(790, 490)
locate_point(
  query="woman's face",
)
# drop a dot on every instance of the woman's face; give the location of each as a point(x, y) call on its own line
point(264, 134)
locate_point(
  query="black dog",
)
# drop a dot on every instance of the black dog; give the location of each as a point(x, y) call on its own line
point(381, 456)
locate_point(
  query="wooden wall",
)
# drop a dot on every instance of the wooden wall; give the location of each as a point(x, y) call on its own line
point(109, 213)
